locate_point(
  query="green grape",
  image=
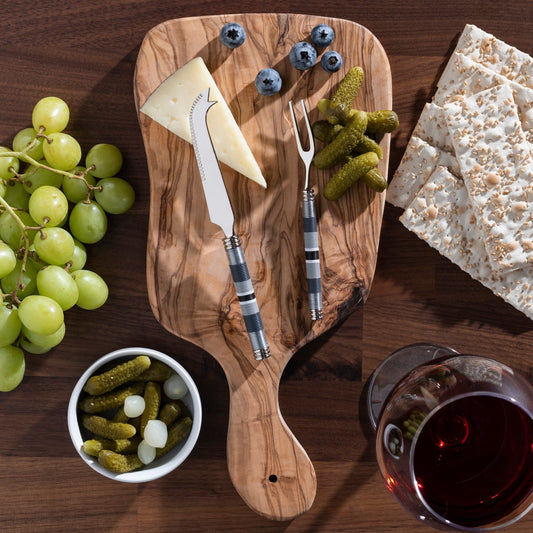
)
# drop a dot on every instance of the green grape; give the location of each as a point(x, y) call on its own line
point(35, 177)
point(15, 194)
point(6, 163)
point(55, 246)
point(9, 324)
point(76, 189)
point(79, 257)
point(10, 231)
point(12, 367)
point(63, 152)
point(56, 283)
point(25, 137)
point(8, 259)
point(88, 222)
point(2, 188)
point(34, 349)
point(42, 342)
point(40, 314)
point(93, 290)
point(116, 195)
point(52, 113)
point(106, 159)
point(29, 280)
point(48, 202)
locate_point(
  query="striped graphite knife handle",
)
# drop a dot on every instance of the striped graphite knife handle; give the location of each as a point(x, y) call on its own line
point(246, 296)
point(312, 258)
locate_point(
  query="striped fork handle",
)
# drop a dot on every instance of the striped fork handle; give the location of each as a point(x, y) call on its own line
point(246, 295)
point(312, 258)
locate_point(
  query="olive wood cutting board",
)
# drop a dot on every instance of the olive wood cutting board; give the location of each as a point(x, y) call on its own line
point(189, 282)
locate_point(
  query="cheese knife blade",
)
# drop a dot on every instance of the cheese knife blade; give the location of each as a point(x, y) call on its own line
point(221, 214)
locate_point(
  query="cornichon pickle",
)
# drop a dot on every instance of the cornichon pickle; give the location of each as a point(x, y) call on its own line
point(117, 376)
point(348, 174)
point(338, 108)
point(105, 428)
point(97, 444)
point(368, 144)
point(176, 433)
point(184, 409)
point(110, 400)
point(152, 399)
point(324, 131)
point(170, 412)
point(383, 121)
point(375, 180)
point(120, 416)
point(158, 371)
point(119, 463)
point(93, 447)
point(344, 142)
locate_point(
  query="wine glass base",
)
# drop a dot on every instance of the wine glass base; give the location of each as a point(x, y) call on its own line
point(394, 367)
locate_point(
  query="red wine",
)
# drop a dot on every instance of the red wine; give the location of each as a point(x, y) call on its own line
point(473, 459)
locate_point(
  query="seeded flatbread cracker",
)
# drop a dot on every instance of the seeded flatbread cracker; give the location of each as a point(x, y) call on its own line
point(463, 77)
point(441, 215)
point(496, 55)
point(418, 162)
point(431, 127)
point(497, 168)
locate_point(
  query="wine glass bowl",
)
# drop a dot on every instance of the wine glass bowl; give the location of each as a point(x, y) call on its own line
point(454, 441)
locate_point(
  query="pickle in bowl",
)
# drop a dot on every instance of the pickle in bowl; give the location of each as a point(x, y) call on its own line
point(134, 415)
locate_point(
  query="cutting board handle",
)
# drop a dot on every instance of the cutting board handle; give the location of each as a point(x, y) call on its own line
point(268, 467)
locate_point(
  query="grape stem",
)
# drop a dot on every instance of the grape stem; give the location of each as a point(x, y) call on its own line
point(22, 155)
point(23, 229)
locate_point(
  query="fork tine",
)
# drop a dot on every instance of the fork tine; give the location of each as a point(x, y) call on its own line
point(301, 150)
point(309, 129)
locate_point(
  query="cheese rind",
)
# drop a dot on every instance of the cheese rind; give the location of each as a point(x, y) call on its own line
point(170, 105)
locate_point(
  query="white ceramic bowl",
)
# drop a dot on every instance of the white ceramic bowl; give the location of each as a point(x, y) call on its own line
point(169, 461)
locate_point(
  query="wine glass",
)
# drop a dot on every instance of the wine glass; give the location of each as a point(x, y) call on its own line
point(454, 437)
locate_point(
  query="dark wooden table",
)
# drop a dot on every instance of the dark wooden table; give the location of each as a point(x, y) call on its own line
point(85, 52)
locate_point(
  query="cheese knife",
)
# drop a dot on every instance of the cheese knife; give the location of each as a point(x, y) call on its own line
point(221, 214)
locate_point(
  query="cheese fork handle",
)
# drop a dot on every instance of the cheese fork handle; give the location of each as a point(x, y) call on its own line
point(246, 296)
point(312, 256)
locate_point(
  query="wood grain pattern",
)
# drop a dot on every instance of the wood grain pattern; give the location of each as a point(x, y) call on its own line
point(189, 284)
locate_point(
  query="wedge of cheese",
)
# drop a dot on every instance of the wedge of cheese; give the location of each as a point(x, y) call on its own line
point(170, 105)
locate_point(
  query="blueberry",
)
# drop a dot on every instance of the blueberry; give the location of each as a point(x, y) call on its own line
point(302, 56)
point(232, 35)
point(322, 35)
point(331, 61)
point(268, 82)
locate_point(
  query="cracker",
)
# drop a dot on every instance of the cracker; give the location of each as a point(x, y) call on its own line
point(441, 215)
point(497, 168)
point(418, 162)
point(431, 127)
point(463, 77)
point(496, 55)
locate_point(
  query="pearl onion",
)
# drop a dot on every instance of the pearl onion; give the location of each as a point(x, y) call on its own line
point(145, 452)
point(156, 433)
point(175, 388)
point(134, 406)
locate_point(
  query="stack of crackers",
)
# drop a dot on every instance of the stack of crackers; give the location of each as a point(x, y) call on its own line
point(465, 181)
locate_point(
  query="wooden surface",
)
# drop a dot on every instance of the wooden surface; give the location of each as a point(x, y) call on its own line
point(86, 53)
point(193, 296)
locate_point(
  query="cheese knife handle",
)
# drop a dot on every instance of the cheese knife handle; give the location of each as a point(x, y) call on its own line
point(246, 296)
point(312, 257)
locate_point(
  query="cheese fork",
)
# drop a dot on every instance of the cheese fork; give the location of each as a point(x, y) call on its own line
point(312, 256)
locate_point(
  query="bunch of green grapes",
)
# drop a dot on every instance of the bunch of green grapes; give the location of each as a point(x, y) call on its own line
point(51, 207)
